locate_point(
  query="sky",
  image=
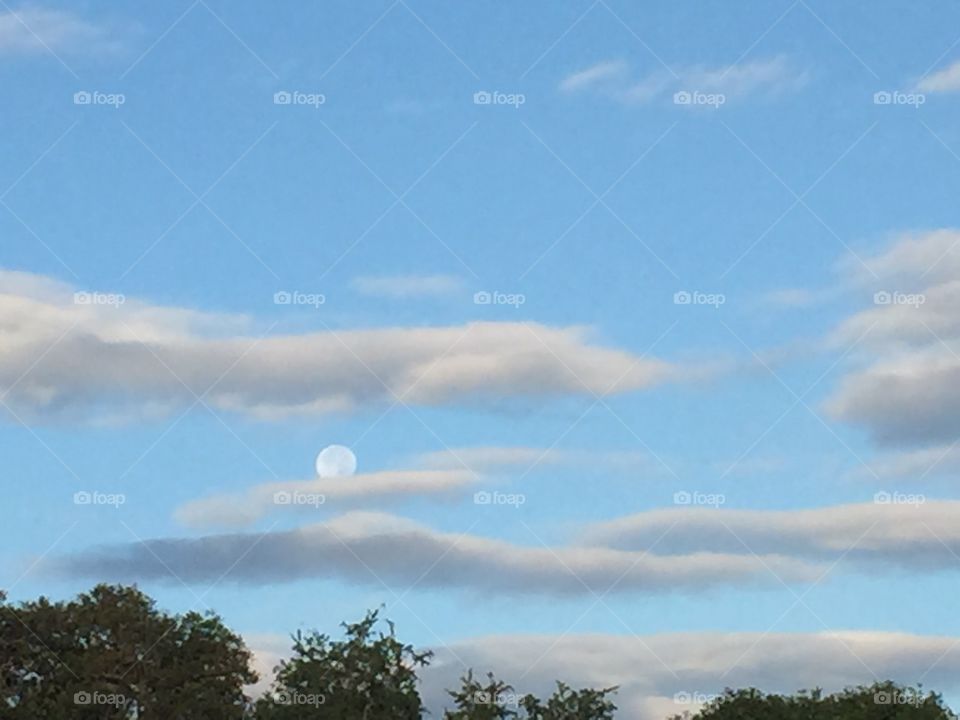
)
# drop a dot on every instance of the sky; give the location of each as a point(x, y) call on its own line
point(640, 321)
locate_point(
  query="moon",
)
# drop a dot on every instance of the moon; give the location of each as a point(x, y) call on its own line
point(336, 461)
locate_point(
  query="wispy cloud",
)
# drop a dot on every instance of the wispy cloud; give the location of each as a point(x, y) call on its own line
point(942, 81)
point(401, 287)
point(594, 75)
point(612, 79)
point(34, 30)
point(370, 548)
point(63, 358)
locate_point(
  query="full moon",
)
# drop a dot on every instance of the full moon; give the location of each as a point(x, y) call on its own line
point(336, 461)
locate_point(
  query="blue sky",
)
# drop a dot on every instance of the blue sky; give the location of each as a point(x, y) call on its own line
point(803, 200)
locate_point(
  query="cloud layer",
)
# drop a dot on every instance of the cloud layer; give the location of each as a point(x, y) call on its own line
point(907, 389)
point(67, 354)
point(374, 548)
point(894, 530)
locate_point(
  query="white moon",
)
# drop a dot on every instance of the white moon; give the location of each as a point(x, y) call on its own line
point(336, 461)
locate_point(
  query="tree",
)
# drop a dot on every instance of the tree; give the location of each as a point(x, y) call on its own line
point(880, 701)
point(569, 704)
point(476, 701)
point(111, 654)
point(370, 675)
point(496, 700)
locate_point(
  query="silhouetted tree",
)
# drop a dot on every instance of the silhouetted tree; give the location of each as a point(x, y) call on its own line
point(368, 676)
point(111, 654)
point(881, 701)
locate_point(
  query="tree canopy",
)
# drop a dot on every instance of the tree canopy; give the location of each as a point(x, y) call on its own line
point(110, 654)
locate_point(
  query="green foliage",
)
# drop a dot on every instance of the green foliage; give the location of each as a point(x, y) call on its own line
point(478, 701)
point(569, 704)
point(881, 701)
point(367, 676)
point(111, 654)
point(496, 700)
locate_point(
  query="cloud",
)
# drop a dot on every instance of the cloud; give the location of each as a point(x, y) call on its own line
point(242, 509)
point(35, 30)
point(661, 675)
point(942, 81)
point(917, 465)
point(920, 535)
point(97, 358)
point(402, 287)
point(518, 458)
point(594, 75)
point(907, 389)
point(611, 79)
point(374, 548)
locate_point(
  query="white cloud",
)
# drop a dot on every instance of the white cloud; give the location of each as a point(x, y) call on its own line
point(374, 548)
point(907, 389)
point(924, 535)
point(942, 81)
point(239, 510)
point(400, 287)
point(60, 358)
point(34, 30)
point(652, 670)
point(594, 75)
point(767, 76)
point(518, 458)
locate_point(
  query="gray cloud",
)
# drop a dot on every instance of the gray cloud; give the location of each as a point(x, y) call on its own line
point(906, 387)
point(241, 509)
point(371, 548)
point(113, 360)
point(35, 30)
point(655, 671)
point(901, 530)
